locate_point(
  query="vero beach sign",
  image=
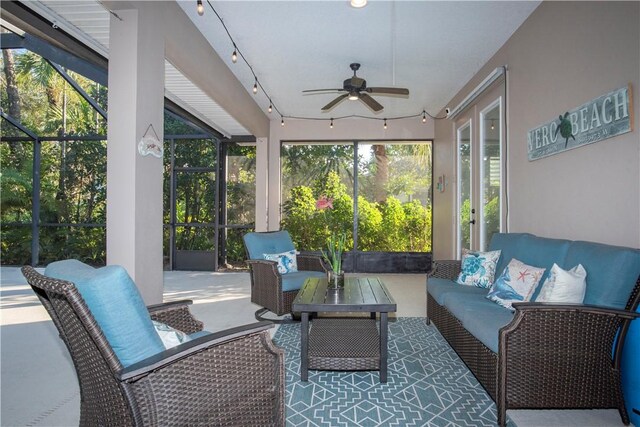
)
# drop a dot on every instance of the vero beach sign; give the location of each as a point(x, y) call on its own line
point(604, 117)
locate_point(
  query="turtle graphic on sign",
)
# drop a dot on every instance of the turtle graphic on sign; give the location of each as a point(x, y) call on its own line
point(565, 129)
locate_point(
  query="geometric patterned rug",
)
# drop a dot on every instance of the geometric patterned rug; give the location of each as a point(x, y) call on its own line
point(428, 385)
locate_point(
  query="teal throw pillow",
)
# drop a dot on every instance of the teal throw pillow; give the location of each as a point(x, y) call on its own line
point(287, 261)
point(478, 268)
point(117, 306)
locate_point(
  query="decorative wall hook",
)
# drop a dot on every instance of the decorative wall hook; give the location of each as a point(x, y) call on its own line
point(150, 143)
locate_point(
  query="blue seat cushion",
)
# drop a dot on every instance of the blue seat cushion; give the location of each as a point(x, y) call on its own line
point(439, 288)
point(512, 245)
point(294, 281)
point(612, 272)
point(116, 305)
point(259, 244)
point(480, 317)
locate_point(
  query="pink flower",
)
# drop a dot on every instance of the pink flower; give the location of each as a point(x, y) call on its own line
point(324, 203)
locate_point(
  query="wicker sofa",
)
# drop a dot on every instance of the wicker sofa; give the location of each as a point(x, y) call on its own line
point(544, 355)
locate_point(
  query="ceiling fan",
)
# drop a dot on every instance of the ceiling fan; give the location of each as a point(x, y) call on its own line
point(356, 88)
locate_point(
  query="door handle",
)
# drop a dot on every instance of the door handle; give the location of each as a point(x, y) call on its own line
point(472, 222)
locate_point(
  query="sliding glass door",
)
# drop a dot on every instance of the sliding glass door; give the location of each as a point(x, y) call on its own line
point(380, 192)
point(479, 164)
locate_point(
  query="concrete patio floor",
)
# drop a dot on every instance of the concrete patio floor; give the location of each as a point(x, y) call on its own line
point(38, 383)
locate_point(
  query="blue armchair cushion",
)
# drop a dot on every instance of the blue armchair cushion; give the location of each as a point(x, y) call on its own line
point(116, 305)
point(294, 281)
point(259, 244)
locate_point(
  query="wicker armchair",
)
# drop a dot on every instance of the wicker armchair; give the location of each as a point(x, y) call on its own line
point(234, 377)
point(266, 282)
point(556, 356)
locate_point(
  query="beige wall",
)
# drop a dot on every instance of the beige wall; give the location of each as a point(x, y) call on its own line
point(347, 129)
point(564, 55)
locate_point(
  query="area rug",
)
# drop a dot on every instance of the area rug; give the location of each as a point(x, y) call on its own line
point(428, 385)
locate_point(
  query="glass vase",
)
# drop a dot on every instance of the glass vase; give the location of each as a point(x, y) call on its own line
point(335, 279)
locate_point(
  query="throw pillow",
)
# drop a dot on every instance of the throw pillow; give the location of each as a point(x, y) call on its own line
point(478, 268)
point(170, 337)
point(564, 286)
point(117, 306)
point(517, 283)
point(287, 261)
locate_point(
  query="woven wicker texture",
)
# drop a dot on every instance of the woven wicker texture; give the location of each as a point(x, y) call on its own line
point(447, 269)
point(237, 382)
point(178, 317)
point(550, 356)
point(332, 346)
point(266, 283)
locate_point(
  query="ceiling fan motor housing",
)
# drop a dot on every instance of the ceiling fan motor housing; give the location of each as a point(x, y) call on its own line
point(354, 84)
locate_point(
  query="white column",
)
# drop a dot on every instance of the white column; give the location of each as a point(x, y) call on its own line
point(262, 180)
point(274, 184)
point(134, 182)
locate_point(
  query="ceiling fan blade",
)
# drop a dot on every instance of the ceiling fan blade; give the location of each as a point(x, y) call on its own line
point(322, 90)
point(388, 90)
point(372, 103)
point(334, 102)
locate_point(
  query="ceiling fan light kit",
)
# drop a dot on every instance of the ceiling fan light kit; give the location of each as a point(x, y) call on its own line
point(358, 3)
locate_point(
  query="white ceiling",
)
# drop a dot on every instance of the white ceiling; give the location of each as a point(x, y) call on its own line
point(431, 48)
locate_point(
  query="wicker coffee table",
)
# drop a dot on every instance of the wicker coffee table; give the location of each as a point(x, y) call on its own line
point(345, 343)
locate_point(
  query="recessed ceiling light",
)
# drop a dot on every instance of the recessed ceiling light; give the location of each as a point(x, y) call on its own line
point(358, 3)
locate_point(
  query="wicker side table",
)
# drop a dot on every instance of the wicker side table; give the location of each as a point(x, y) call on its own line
point(344, 343)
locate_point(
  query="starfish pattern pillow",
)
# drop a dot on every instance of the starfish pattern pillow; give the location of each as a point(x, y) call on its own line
point(517, 283)
point(478, 268)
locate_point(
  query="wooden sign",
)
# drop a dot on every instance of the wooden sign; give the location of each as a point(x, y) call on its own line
point(604, 117)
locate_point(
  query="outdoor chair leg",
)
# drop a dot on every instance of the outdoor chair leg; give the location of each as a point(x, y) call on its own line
point(259, 316)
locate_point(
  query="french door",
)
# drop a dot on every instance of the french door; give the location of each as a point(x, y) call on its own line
point(480, 175)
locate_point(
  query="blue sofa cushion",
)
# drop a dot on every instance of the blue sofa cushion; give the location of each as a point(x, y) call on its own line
point(512, 245)
point(294, 281)
point(532, 250)
point(259, 244)
point(612, 272)
point(116, 304)
point(480, 317)
point(440, 288)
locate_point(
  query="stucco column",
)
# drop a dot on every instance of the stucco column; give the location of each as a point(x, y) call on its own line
point(134, 182)
point(274, 183)
point(262, 180)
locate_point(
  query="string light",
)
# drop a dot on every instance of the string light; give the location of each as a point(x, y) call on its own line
point(492, 126)
point(237, 53)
